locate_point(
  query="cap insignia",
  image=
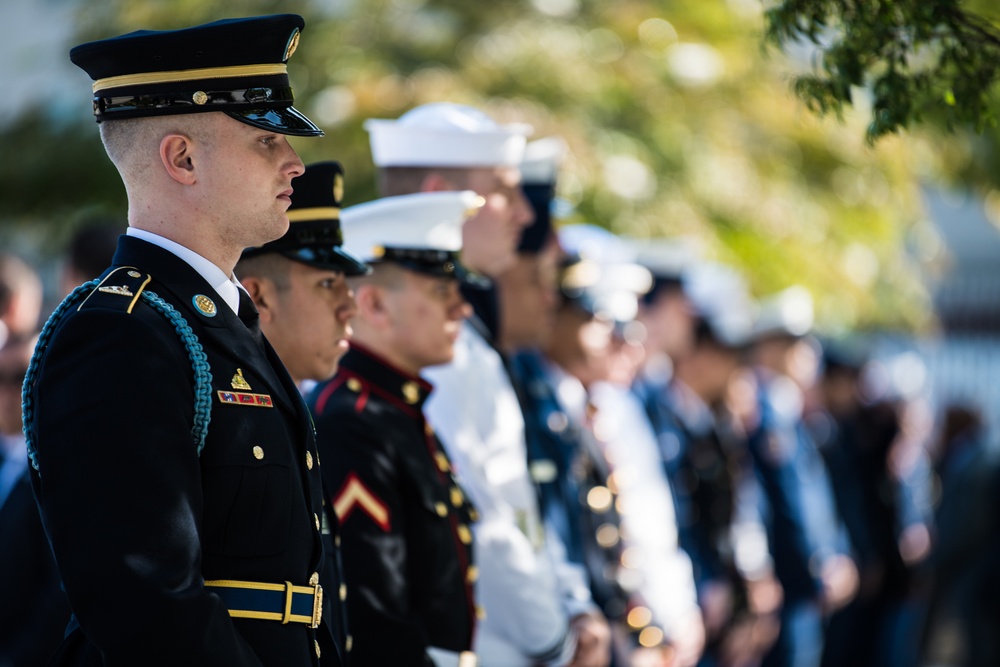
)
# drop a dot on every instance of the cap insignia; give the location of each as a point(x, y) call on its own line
point(378, 251)
point(293, 43)
point(200, 97)
point(240, 382)
point(411, 392)
point(204, 305)
point(338, 187)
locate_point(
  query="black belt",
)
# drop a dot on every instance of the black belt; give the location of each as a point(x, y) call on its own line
point(270, 602)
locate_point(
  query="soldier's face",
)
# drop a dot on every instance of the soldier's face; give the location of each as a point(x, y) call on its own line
point(307, 321)
point(490, 238)
point(426, 314)
point(528, 298)
point(246, 176)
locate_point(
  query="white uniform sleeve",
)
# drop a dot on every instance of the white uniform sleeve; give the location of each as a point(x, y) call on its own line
point(476, 415)
point(656, 568)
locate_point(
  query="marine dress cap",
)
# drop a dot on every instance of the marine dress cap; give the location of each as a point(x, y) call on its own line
point(237, 66)
point(314, 236)
point(421, 232)
point(538, 181)
point(446, 135)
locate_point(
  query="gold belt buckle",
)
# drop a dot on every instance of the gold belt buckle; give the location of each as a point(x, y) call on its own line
point(317, 616)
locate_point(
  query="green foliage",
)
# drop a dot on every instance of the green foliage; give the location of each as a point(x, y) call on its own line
point(678, 124)
point(921, 60)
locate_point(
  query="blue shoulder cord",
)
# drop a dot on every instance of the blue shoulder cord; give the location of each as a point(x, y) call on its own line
point(199, 363)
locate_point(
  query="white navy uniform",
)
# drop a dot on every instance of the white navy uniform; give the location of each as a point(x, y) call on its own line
point(528, 590)
point(658, 571)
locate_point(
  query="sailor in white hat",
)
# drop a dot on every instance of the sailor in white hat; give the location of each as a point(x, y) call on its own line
point(603, 291)
point(537, 609)
point(407, 542)
point(806, 539)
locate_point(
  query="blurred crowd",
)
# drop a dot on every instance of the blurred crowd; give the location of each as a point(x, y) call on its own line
point(739, 490)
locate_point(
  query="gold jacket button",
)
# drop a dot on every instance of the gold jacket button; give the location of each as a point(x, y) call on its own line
point(314, 579)
point(480, 612)
point(456, 497)
point(353, 384)
point(316, 518)
point(349, 643)
point(318, 652)
point(309, 460)
point(441, 509)
point(464, 534)
point(442, 462)
point(258, 452)
point(336, 541)
point(343, 592)
point(472, 574)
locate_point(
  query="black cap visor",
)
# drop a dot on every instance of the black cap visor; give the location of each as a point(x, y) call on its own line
point(283, 120)
point(330, 257)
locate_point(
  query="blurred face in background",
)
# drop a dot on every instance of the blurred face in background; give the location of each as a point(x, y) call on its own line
point(14, 359)
point(669, 323)
point(529, 297)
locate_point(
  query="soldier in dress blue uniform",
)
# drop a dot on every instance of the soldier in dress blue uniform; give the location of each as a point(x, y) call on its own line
point(407, 544)
point(629, 539)
point(806, 541)
point(298, 284)
point(170, 448)
point(537, 606)
point(708, 464)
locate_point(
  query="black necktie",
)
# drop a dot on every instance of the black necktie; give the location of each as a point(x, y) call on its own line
point(251, 318)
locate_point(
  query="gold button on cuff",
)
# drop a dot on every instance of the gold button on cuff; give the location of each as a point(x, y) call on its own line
point(464, 534)
point(258, 452)
point(456, 497)
point(472, 574)
point(343, 592)
point(318, 652)
point(309, 460)
point(651, 637)
point(353, 384)
point(316, 517)
point(349, 643)
point(314, 579)
point(441, 509)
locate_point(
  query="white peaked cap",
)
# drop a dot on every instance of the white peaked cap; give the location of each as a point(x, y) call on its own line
point(422, 221)
point(542, 159)
point(444, 134)
point(789, 312)
point(609, 280)
point(595, 244)
point(720, 297)
point(668, 258)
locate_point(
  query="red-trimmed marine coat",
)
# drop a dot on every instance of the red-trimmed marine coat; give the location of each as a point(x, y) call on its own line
point(407, 543)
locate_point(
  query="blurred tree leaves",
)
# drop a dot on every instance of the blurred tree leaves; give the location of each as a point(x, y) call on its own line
point(920, 59)
point(678, 122)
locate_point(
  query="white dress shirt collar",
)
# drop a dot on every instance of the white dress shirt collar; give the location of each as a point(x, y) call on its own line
point(225, 286)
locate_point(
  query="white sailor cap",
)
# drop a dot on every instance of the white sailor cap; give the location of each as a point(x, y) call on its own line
point(422, 232)
point(787, 313)
point(541, 161)
point(721, 300)
point(444, 134)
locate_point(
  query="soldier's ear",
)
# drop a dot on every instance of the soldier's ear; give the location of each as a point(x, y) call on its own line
point(371, 303)
point(176, 151)
point(261, 290)
point(436, 182)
